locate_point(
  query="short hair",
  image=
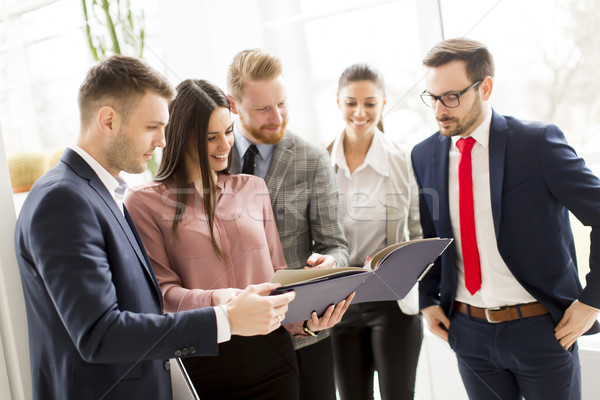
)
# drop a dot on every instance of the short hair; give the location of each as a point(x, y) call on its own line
point(363, 72)
point(119, 81)
point(478, 59)
point(251, 65)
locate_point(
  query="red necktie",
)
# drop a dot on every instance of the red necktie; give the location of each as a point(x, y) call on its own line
point(468, 237)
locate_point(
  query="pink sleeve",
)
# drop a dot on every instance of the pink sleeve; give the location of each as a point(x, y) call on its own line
point(156, 236)
point(277, 258)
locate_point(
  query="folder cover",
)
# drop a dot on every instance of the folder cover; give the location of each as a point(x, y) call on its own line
point(390, 275)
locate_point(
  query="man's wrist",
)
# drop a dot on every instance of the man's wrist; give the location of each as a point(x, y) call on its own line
point(307, 330)
point(223, 324)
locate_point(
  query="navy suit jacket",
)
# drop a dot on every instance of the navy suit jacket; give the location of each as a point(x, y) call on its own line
point(535, 179)
point(94, 308)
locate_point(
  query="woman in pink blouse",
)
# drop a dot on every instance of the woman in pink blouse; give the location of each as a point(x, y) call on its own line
point(209, 234)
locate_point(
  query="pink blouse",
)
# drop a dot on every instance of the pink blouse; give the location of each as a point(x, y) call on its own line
point(186, 266)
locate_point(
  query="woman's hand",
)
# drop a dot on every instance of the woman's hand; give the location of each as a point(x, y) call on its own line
point(223, 296)
point(320, 261)
point(332, 315)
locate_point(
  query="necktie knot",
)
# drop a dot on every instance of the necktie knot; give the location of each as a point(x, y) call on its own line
point(465, 145)
point(249, 164)
point(252, 151)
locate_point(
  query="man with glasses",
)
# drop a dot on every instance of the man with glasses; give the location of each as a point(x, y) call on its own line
point(506, 295)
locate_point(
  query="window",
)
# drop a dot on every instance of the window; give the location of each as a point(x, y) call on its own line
point(44, 56)
point(546, 69)
point(545, 63)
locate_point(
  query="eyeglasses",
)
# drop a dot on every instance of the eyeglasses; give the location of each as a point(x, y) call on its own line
point(450, 100)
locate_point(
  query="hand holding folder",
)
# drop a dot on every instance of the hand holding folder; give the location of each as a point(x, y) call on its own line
point(390, 275)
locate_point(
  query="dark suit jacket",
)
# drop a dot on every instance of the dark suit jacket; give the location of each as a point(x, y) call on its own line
point(535, 179)
point(93, 305)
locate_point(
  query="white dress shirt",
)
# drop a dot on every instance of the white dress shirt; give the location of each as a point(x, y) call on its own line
point(363, 200)
point(499, 287)
point(112, 184)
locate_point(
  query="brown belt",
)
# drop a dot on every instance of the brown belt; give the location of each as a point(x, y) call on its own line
point(502, 314)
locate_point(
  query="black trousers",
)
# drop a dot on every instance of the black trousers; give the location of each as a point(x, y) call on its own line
point(377, 336)
point(257, 367)
point(315, 363)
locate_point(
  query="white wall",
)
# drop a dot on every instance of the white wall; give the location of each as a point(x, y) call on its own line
point(437, 373)
point(15, 378)
point(4, 384)
point(589, 354)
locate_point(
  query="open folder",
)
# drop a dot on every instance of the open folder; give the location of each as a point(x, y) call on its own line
point(390, 275)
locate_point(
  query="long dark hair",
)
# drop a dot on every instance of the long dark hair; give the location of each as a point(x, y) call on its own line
point(190, 114)
point(362, 72)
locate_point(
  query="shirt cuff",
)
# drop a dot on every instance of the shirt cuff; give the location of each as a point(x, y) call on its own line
point(223, 326)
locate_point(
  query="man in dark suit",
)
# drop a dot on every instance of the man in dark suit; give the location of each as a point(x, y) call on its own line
point(94, 308)
point(506, 295)
point(302, 189)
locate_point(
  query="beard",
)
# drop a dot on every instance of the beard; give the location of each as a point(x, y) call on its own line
point(121, 154)
point(264, 137)
point(467, 122)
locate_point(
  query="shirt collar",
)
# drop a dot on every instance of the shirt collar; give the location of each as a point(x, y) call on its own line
point(481, 134)
point(376, 155)
point(337, 152)
point(111, 183)
point(264, 150)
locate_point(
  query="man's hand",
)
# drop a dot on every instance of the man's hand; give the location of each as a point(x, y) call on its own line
point(253, 312)
point(332, 315)
point(317, 260)
point(224, 296)
point(577, 320)
point(437, 321)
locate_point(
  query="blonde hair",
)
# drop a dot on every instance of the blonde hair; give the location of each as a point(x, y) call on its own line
point(251, 65)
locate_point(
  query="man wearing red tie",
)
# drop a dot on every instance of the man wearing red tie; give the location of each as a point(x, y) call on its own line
point(506, 295)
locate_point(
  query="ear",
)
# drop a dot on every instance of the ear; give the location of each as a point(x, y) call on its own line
point(109, 120)
point(384, 103)
point(486, 87)
point(337, 99)
point(232, 104)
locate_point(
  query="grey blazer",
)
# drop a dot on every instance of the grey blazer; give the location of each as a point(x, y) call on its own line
point(305, 200)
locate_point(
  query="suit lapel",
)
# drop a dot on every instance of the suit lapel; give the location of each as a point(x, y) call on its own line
point(99, 187)
point(282, 158)
point(440, 168)
point(234, 168)
point(138, 250)
point(497, 152)
point(81, 168)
